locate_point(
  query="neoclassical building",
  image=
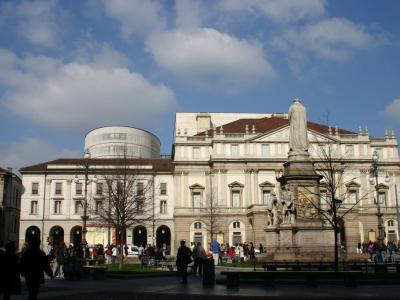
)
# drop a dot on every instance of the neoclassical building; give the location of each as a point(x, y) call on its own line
point(221, 174)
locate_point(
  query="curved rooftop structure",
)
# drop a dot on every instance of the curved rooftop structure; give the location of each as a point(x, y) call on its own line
point(118, 141)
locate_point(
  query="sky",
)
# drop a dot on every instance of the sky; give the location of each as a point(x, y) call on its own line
point(70, 66)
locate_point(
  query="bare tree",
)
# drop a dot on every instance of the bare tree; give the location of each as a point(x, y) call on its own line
point(333, 204)
point(212, 213)
point(128, 199)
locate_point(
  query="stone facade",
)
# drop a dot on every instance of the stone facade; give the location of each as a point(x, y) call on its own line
point(232, 161)
point(10, 200)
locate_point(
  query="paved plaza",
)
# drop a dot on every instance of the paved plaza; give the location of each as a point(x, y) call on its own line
point(170, 288)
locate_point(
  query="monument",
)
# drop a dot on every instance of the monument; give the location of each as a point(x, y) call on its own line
point(295, 230)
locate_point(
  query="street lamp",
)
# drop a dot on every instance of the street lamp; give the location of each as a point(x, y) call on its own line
point(85, 216)
point(374, 180)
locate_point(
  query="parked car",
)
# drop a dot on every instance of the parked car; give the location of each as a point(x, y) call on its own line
point(133, 250)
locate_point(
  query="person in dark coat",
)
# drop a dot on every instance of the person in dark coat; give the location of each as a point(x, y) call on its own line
point(33, 263)
point(10, 281)
point(183, 258)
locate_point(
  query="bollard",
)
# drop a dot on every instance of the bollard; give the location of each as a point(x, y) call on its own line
point(208, 272)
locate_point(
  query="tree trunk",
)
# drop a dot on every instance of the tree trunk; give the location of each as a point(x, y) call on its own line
point(335, 229)
point(121, 255)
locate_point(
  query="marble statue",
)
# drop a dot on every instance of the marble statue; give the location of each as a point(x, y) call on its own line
point(288, 207)
point(298, 127)
point(275, 211)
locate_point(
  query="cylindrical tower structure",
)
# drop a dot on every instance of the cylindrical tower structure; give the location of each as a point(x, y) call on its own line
point(116, 141)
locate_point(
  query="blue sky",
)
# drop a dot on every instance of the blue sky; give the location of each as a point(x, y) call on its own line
point(69, 66)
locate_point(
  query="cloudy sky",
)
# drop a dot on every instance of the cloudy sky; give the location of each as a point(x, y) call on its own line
point(69, 66)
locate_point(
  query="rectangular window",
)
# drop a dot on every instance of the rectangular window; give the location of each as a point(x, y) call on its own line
point(196, 152)
point(34, 207)
point(58, 188)
point(163, 188)
point(236, 199)
point(78, 207)
point(266, 197)
point(163, 207)
point(265, 150)
point(382, 198)
point(235, 149)
point(139, 205)
point(78, 188)
point(99, 205)
point(35, 188)
point(196, 200)
point(57, 207)
point(99, 189)
point(139, 189)
point(349, 150)
point(323, 197)
point(352, 197)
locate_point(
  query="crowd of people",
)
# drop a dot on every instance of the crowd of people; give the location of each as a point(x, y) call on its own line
point(385, 253)
point(217, 252)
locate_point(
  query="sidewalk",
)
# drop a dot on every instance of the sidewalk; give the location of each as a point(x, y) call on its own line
point(170, 288)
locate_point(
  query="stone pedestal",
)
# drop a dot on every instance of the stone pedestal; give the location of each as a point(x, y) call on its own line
point(308, 239)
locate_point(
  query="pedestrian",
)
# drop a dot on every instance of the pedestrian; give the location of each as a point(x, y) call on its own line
point(183, 258)
point(252, 252)
point(10, 282)
point(215, 251)
point(199, 255)
point(359, 248)
point(33, 263)
point(114, 254)
point(60, 254)
point(261, 248)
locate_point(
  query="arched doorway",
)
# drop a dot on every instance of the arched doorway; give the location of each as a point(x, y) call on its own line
point(56, 235)
point(163, 236)
point(32, 233)
point(139, 236)
point(76, 235)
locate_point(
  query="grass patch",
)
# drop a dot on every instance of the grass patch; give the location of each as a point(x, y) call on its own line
point(131, 269)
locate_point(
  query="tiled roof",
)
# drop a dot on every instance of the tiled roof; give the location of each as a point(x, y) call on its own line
point(159, 164)
point(265, 125)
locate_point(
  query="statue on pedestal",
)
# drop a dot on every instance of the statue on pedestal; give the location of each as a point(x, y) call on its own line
point(273, 211)
point(288, 207)
point(298, 141)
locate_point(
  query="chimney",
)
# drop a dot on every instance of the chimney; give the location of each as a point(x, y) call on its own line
point(203, 121)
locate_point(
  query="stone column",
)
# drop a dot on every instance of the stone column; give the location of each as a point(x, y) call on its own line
point(247, 187)
point(185, 189)
point(256, 190)
point(68, 200)
point(224, 188)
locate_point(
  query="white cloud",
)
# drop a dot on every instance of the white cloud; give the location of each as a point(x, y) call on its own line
point(36, 21)
point(29, 151)
point(333, 39)
point(277, 10)
point(137, 17)
point(188, 13)
point(392, 110)
point(205, 55)
point(80, 95)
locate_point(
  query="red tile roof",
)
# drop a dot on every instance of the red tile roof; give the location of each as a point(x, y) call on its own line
point(159, 164)
point(265, 125)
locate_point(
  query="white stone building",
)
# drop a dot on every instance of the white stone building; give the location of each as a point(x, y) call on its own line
point(229, 160)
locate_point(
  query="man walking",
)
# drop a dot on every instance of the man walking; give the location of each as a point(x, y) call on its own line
point(33, 263)
point(215, 251)
point(183, 258)
point(199, 255)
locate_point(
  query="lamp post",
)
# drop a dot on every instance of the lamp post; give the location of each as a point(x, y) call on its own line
point(85, 216)
point(374, 180)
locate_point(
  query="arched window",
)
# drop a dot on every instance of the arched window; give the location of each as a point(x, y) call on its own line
point(197, 225)
point(390, 223)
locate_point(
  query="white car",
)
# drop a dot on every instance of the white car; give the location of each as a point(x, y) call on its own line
point(133, 250)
